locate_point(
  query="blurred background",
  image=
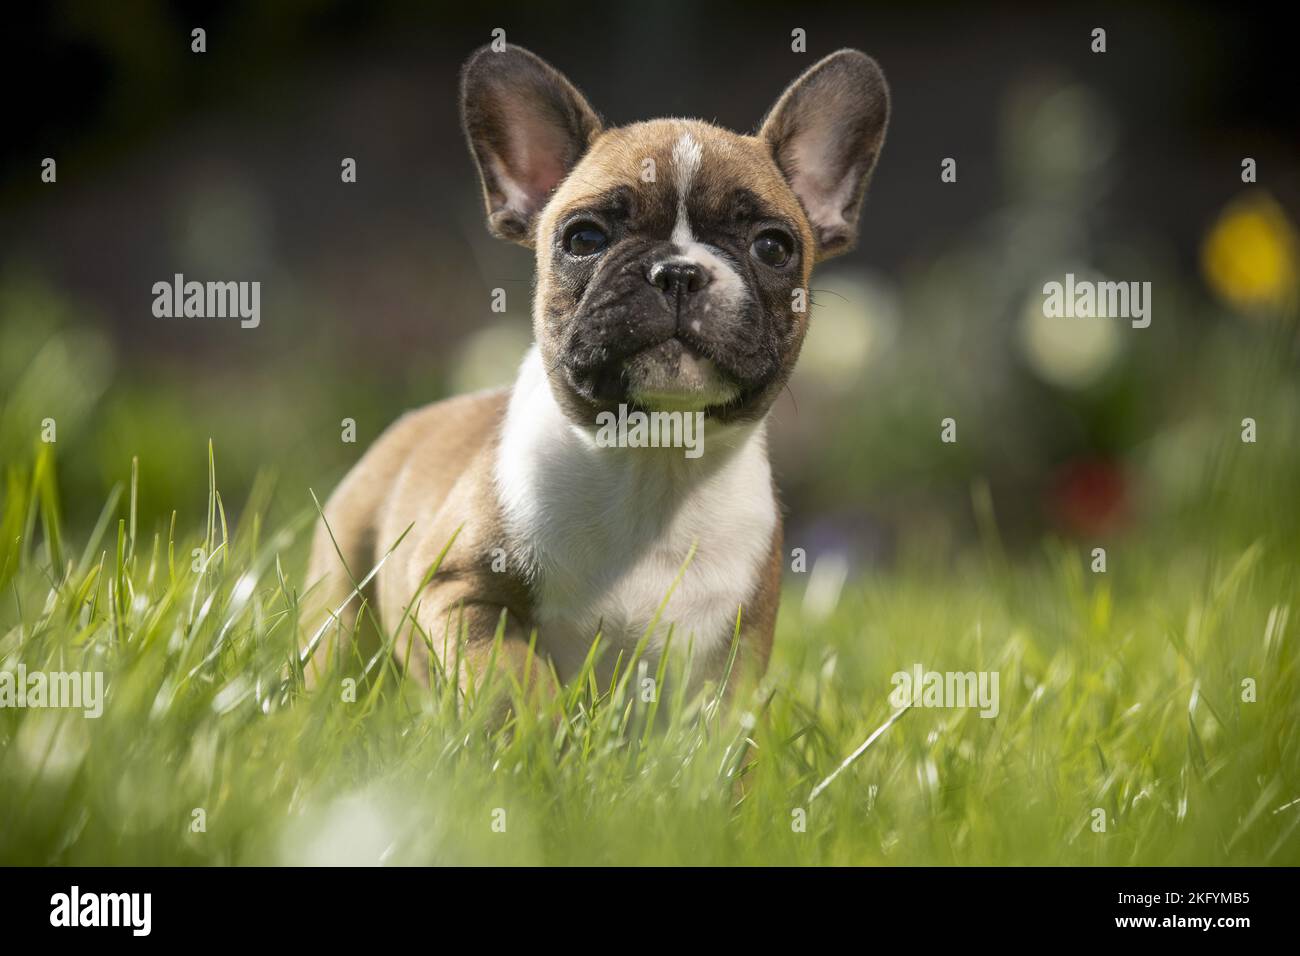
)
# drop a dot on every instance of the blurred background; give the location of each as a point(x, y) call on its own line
point(376, 295)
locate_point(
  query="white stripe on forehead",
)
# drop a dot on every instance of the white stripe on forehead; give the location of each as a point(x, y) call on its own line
point(687, 153)
point(728, 287)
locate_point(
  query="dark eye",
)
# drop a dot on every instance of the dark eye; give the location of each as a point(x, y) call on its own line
point(771, 248)
point(585, 239)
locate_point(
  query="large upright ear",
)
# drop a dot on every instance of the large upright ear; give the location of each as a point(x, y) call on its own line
point(527, 126)
point(825, 133)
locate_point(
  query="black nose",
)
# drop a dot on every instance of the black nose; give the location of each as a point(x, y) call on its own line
point(678, 278)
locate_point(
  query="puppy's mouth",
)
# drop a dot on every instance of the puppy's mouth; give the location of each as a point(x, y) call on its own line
point(677, 376)
point(673, 374)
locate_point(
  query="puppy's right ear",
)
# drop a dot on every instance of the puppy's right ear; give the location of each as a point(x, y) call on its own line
point(527, 126)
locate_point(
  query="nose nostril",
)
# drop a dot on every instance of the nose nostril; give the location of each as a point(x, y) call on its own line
point(678, 278)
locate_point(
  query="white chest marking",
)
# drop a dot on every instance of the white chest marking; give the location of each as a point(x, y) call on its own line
point(603, 532)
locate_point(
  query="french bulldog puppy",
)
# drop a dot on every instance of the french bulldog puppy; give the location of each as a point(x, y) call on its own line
point(673, 267)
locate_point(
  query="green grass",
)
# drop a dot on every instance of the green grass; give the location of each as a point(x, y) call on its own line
point(1119, 691)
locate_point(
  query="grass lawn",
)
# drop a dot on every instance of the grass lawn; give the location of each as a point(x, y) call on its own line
point(1121, 702)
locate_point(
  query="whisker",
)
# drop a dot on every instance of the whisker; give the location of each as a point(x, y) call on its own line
point(793, 400)
point(834, 293)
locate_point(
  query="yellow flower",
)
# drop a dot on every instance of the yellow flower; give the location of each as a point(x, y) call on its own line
point(1250, 255)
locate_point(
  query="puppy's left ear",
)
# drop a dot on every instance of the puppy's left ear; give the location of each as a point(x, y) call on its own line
point(825, 133)
point(527, 126)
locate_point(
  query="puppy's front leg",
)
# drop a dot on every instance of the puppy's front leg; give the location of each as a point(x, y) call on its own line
point(453, 632)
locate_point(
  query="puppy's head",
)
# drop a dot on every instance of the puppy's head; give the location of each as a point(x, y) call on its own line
point(673, 257)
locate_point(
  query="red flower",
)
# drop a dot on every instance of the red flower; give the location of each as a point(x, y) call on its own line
point(1089, 496)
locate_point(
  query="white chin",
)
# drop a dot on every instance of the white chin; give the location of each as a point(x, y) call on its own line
point(695, 384)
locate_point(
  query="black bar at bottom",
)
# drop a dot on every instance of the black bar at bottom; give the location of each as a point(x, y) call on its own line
point(215, 906)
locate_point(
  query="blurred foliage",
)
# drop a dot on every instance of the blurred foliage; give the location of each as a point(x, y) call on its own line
point(283, 423)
